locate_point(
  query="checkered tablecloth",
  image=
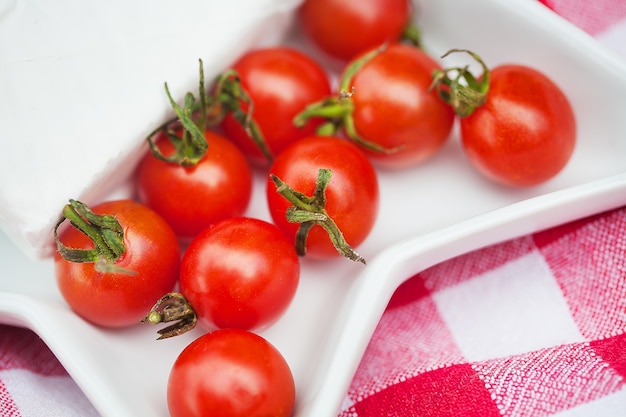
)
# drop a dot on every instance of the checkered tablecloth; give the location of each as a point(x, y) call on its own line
point(532, 327)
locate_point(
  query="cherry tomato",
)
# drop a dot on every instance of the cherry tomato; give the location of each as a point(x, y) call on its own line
point(147, 269)
point(386, 106)
point(394, 108)
point(525, 132)
point(241, 273)
point(219, 186)
point(345, 28)
point(280, 82)
point(230, 373)
point(351, 195)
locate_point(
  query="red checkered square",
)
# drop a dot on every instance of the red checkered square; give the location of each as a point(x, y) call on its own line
point(23, 349)
point(450, 391)
point(613, 351)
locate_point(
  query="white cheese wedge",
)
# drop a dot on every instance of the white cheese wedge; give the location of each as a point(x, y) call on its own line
point(82, 85)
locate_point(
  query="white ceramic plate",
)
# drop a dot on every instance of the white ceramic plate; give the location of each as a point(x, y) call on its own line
point(428, 214)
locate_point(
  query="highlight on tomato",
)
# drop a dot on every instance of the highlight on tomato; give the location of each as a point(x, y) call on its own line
point(238, 273)
point(345, 28)
point(230, 373)
point(323, 193)
point(114, 260)
point(517, 126)
point(193, 176)
point(279, 83)
point(386, 106)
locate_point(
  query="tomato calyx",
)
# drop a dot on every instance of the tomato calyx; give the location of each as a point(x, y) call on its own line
point(458, 87)
point(309, 211)
point(338, 110)
point(104, 231)
point(190, 146)
point(411, 34)
point(172, 307)
point(226, 97)
point(196, 115)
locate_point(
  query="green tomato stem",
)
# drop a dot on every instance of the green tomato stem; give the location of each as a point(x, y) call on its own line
point(458, 87)
point(355, 66)
point(104, 231)
point(338, 110)
point(191, 146)
point(332, 109)
point(412, 35)
point(227, 97)
point(309, 211)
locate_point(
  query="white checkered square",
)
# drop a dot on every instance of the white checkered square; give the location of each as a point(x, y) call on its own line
point(515, 308)
point(612, 405)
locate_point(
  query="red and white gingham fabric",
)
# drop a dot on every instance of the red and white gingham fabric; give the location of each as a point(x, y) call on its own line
point(32, 381)
point(532, 327)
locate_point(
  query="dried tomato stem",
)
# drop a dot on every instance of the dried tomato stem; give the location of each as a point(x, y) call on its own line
point(311, 211)
point(172, 307)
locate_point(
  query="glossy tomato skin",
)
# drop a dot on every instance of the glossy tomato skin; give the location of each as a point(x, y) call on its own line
point(345, 28)
point(230, 373)
point(394, 107)
point(120, 299)
point(525, 132)
point(281, 82)
point(352, 195)
point(190, 199)
point(239, 273)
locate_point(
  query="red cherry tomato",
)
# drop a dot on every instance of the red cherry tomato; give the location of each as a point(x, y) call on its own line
point(230, 373)
point(345, 28)
point(192, 198)
point(148, 268)
point(240, 273)
point(352, 194)
point(280, 82)
point(394, 108)
point(525, 132)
